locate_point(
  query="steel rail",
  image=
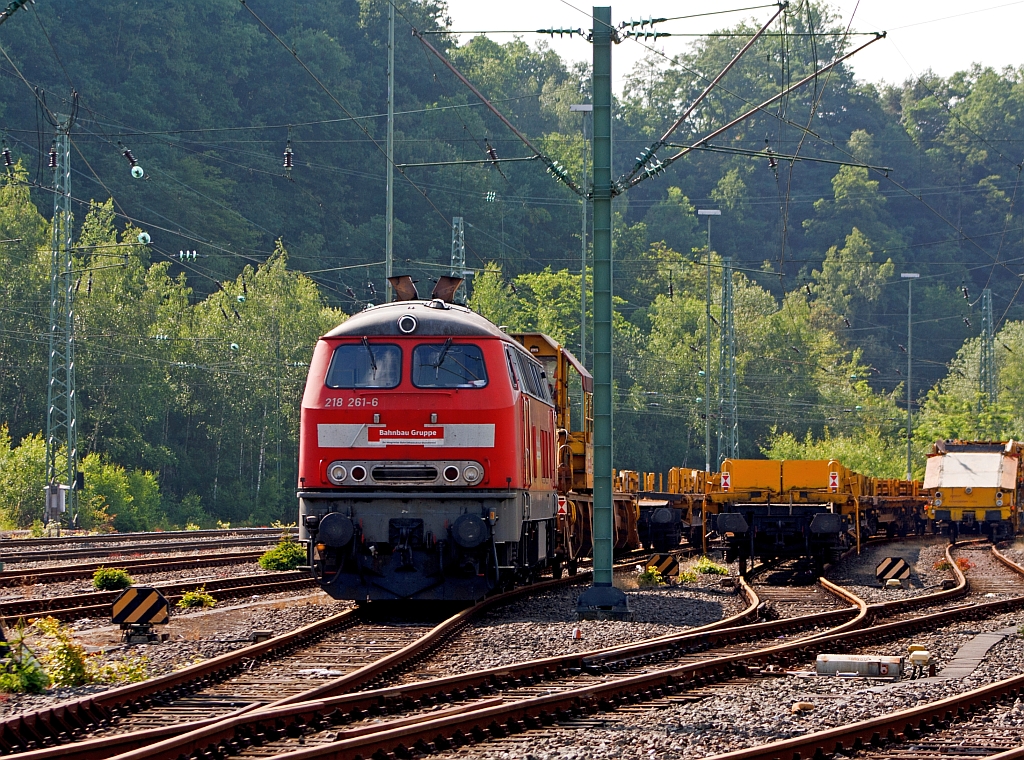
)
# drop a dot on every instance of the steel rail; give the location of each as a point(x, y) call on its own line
point(29, 576)
point(114, 552)
point(78, 717)
point(903, 725)
point(387, 699)
point(271, 722)
point(84, 605)
point(102, 538)
point(69, 720)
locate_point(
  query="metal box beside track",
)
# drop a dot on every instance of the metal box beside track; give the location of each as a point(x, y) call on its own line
point(863, 665)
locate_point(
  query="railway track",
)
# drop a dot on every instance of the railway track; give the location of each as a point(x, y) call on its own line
point(986, 722)
point(119, 538)
point(241, 681)
point(527, 694)
point(116, 551)
point(28, 576)
point(532, 694)
point(98, 603)
point(455, 687)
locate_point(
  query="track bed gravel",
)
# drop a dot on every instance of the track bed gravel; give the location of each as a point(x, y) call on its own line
point(1014, 551)
point(745, 713)
point(542, 626)
point(857, 573)
point(195, 635)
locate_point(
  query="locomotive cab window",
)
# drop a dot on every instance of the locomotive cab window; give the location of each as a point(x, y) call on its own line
point(530, 373)
point(365, 365)
point(448, 365)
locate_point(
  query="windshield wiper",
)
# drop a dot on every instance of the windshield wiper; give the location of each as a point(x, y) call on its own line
point(442, 354)
point(373, 363)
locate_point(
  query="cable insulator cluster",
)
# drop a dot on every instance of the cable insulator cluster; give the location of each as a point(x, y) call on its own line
point(289, 156)
point(561, 32)
point(187, 255)
point(631, 24)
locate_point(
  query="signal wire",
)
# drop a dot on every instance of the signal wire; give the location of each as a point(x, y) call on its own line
point(340, 105)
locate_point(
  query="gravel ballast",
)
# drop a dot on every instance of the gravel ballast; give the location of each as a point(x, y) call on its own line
point(543, 625)
point(195, 635)
point(857, 573)
point(742, 714)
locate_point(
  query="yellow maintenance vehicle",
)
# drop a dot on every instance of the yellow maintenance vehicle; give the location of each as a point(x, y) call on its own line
point(975, 487)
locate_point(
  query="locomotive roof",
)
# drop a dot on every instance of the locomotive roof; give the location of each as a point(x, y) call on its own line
point(433, 318)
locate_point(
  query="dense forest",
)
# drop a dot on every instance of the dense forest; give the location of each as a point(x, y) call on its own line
point(190, 367)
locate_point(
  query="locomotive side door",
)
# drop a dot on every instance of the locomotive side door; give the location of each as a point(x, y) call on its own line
point(527, 442)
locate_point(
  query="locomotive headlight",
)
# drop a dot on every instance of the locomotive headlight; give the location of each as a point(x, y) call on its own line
point(336, 473)
point(451, 473)
point(938, 502)
point(358, 473)
point(473, 474)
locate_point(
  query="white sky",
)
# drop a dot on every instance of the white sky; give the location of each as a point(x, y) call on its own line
point(943, 35)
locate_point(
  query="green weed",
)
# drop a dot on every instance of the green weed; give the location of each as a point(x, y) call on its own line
point(111, 579)
point(649, 577)
point(21, 671)
point(287, 555)
point(706, 566)
point(197, 598)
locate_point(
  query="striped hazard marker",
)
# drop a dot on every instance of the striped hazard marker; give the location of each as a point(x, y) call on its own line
point(666, 564)
point(892, 567)
point(140, 605)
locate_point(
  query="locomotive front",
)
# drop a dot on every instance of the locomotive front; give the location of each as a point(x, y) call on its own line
point(426, 456)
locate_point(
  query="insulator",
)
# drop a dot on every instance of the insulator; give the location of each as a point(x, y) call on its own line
point(88, 286)
point(349, 292)
point(289, 156)
point(8, 161)
point(53, 156)
point(373, 290)
point(129, 157)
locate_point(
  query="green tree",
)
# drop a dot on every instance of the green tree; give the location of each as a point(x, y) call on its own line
point(22, 477)
point(869, 452)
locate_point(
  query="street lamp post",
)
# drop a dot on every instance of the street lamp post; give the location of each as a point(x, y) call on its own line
point(909, 277)
point(583, 108)
point(708, 212)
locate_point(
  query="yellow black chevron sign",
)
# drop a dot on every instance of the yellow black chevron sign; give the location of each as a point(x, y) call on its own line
point(666, 564)
point(892, 567)
point(138, 604)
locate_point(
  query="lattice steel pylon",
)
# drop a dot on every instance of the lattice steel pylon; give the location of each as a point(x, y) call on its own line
point(61, 413)
point(987, 369)
point(459, 256)
point(728, 417)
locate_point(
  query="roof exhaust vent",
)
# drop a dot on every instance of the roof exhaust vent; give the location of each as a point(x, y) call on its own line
point(404, 287)
point(446, 287)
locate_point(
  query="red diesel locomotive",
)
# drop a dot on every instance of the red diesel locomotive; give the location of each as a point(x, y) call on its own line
point(427, 457)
